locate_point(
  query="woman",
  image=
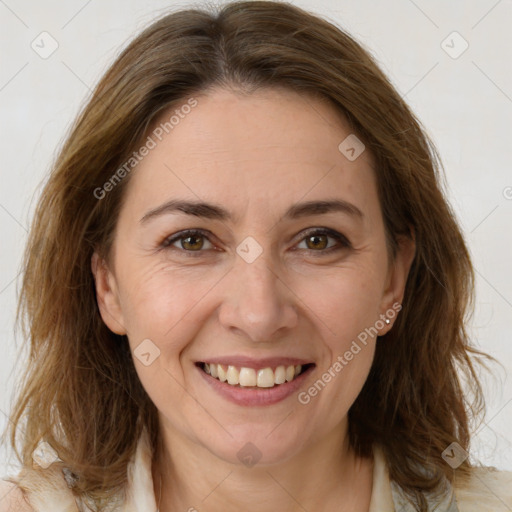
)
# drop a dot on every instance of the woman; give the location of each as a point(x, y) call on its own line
point(244, 288)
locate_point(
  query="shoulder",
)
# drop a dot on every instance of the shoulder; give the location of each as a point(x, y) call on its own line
point(484, 489)
point(37, 490)
point(12, 498)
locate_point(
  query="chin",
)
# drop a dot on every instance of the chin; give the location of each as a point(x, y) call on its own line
point(251, 446)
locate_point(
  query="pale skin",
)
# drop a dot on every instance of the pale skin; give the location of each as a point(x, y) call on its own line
point(255, 155)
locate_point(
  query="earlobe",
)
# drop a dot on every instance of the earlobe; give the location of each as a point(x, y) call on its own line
point(107, 296)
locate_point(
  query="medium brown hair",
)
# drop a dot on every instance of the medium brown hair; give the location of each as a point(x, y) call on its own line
point(80, 391)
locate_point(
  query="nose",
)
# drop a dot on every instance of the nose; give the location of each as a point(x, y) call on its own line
point(257, 303)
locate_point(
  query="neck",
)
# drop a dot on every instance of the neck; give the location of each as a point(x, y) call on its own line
point(319, 477)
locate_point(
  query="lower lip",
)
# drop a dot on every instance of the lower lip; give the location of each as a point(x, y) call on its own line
point(255, 396)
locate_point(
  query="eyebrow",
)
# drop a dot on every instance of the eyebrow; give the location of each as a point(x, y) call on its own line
point(217, 212)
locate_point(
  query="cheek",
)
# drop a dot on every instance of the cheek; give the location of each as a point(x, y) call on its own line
point(346, 305)
point(345, 378)
point(346, 300)
point(159, 308)
point(157, 300)
point(347, 312)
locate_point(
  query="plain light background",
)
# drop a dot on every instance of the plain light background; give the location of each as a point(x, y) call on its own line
point(463, 98)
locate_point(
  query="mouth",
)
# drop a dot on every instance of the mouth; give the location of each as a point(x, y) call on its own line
point(254, 378)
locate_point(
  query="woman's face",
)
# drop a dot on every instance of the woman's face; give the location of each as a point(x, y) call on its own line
point(269, 280)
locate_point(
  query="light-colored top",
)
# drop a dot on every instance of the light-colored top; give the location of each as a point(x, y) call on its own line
point(487, 490)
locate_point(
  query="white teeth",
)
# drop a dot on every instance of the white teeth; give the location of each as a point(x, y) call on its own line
point(249, 377)
point(266, 378)
point(233, 375)
point(221, 372)
point(280, 375)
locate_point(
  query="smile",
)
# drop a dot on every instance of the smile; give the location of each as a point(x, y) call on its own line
point(251, 377)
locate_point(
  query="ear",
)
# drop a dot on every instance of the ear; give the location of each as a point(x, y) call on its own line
point(397, 278)
point(107, 295)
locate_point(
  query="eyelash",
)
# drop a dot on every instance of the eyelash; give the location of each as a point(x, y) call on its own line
point(343, 242)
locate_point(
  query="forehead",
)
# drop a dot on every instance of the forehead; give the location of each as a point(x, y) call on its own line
point(272, 146)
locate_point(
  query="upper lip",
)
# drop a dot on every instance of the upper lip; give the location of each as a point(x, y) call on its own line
point(250, 362)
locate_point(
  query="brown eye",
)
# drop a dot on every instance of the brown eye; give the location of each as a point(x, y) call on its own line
point(192, 242)
point(317, 241)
